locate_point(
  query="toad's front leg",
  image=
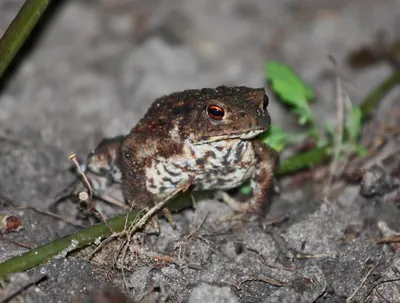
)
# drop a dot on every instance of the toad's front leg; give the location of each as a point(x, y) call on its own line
point(145, 182)
point(264, 179)
point(262, 182)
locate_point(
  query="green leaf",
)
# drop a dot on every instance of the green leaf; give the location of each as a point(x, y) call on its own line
point(275, 137)
point(291, 90)
point(245, 189)
point(304, 114)
point(329, 128)
point(361, 150)
point(287, 84)
point(278, 138)
point(353, 123)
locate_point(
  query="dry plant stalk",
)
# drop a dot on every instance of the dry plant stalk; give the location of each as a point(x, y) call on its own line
point(338, 139)
point(92, 207)
point(363, 280)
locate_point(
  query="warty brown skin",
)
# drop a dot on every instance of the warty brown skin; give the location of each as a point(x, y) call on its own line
point(202, 139)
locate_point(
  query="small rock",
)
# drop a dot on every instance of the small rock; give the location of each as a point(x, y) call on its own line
point(375, 181)
point(212, 294)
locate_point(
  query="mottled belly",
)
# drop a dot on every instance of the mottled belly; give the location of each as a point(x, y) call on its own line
point(218, 165)
point(226, 178)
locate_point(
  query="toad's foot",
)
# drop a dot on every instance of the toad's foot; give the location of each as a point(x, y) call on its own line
point(167, 215)
point(246, 210)
point(165, 211)
point(154, 226)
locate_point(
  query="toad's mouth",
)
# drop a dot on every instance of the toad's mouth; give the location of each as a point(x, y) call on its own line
point(242, 135)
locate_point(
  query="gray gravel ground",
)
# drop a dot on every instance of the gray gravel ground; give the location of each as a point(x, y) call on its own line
point(94, 68)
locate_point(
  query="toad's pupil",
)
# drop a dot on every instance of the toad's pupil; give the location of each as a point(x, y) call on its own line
point(266, 101)
point(215, 112)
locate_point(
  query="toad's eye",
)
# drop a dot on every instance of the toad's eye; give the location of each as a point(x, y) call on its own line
point(266, 101)
point(215, 112)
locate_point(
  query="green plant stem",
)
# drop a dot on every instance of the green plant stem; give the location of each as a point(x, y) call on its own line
point(81, 238)
point(371, 102)
point(322, 154)
point(46, 252)
point(19, 30)
point(304, 160)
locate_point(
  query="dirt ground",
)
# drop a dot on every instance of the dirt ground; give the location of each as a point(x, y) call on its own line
point(91, 71)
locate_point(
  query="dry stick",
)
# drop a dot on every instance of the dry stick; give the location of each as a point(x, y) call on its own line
point(72, 157)
point(14, 141)
point(380, 295)
point(387, 232)
point(164, 258)
point(338, 139)
point(15, 292)
point(187, 237)
point(16, 243)
point(115, 202)
point(387, 240)
point(48, 213)
point(261, 278)
point(126, 243)
point(378, 284)
point(348, 300)
point(125, 248)
point(312, 256)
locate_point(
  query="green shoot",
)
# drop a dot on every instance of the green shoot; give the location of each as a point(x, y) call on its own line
point(291, 90)
point(278, 139)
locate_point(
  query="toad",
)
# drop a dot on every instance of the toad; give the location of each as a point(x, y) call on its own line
point(200, 139)
point(204, 139)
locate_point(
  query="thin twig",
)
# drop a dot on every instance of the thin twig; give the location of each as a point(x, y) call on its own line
point(114, 201)
point(181, 244)
point(17, 243)
point(349, 298)
point(72, 157)
point(312, 256)
point(15, 292)
point(387, 240)
point(389, 233)
point(51, 214)
point(125, 249)
point(164, 258)
point(338, 138)
point(261, 278)
point(378, 284)
point(13, 140)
